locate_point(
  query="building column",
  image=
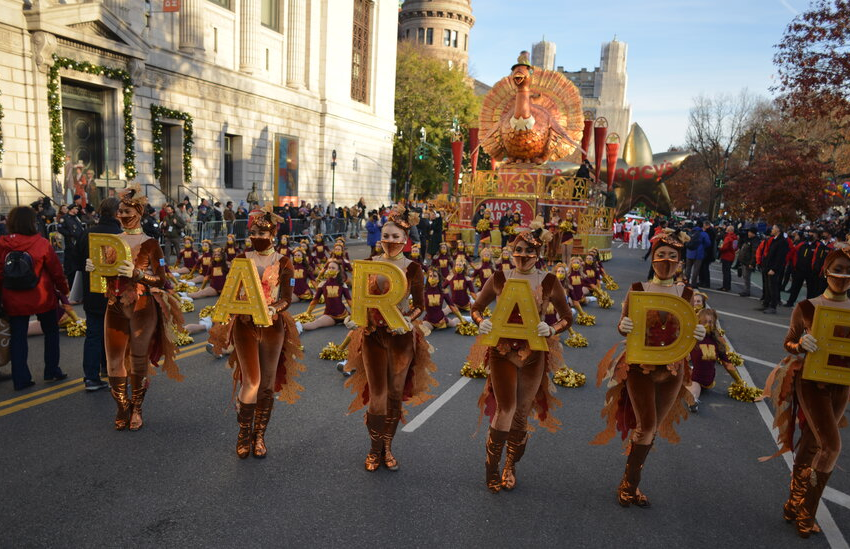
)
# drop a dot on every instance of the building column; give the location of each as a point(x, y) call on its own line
point(295, 50)
point(191, 26)
point(249, 28)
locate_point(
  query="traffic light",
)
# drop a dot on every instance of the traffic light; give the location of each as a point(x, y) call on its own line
point(421, 152)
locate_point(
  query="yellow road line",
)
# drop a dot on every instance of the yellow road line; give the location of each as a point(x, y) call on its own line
point(185, 352)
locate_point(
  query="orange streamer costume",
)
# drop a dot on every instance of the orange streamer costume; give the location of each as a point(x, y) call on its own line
point(644, 400)
point(265, 360)
point(389, 367)
point(818, 408)
point(519, 382)
point(140, 318)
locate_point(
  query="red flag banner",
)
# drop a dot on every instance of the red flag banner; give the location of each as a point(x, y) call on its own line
point(612, 151)
point(457, 156)
point(473, 150)
point(585, 138)
point(599, 135)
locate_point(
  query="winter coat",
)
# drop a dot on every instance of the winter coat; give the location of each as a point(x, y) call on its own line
point(94, 303)
point(701, 238)
point(373, 233)
point(46, 266)
point(774, 259)
point(72, 229)
point(727, 249)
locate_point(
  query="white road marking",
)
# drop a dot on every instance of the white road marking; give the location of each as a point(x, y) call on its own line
point(751, 319)
point(436, 405)
point(759, 361)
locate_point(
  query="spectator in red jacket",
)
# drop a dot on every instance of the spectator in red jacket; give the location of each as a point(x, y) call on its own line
point(728, 249)
point(30, 282)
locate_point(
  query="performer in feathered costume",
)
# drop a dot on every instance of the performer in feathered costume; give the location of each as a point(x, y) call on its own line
point(817, 407)
point(390, 366)
point(645, 400)
point(265, 360)
point(519, 382)
point(140, 316)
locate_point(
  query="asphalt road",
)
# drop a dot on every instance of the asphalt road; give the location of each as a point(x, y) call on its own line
point(70, 480)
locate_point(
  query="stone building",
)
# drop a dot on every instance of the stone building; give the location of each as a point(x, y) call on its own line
point(441, 26)
point(206, 101)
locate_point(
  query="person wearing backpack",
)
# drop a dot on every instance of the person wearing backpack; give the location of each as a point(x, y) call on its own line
point(30, 278)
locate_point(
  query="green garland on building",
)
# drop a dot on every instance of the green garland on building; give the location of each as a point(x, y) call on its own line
point(54, 106)
point(158, 112)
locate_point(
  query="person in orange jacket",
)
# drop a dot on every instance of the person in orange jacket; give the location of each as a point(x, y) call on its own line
point(727, 257)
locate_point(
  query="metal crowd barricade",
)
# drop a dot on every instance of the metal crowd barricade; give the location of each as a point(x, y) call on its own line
point(214, 231)
point(238, 228)
point(300, 227)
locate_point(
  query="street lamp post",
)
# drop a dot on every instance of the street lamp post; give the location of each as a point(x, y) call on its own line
point(333, 176)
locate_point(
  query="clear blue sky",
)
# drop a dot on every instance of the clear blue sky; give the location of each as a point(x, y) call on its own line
point(677, 49)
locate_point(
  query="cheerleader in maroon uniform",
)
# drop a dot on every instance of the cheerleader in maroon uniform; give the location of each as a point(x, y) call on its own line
point(443, 261)
point(485, 269)
point(579, 285)
point(459, 252)
point(416, 254)
point(436, 299)
point(320, 251)
point(231, 250)
point(283, 246)
point(302, 273)
point(568, 231)
point(341, 257)
point(188, 257)
point(336, 294)
point(204, 263)
point(460, 287)
point(712, 349)
point(505, 262)
point(216, 275)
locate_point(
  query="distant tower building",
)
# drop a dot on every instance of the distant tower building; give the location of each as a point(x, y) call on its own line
point(543, 55)
point(441, 26)
point(604, 88)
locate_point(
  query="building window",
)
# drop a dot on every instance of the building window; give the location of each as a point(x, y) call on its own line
point(361, 50)
point(465, 42)
point(407, 34)
point(270, 14)
point(223, 3)
point(228, 161)
point(447, 38)
point(454, 39)
point(420, 35)
point(429, 37)
point(215, 39)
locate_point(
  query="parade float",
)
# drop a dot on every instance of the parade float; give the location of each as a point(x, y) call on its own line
point(533, 127)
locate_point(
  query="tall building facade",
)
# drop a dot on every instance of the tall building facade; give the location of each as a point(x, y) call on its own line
point(543, 55)
point(210, 100)
point(442, 27)
point(604, 88)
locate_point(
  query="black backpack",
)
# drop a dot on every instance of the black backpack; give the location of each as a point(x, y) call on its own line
point(18, 271)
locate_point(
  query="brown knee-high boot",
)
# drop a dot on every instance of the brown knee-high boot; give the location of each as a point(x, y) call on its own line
point(391, 424)
point(808, 507)
point(118, 387)
point(627, 492)
point(140, 388)
point(375, 423)
point(516, 448)
point(798, 488)
point(495, 444)
point(245, 418)
point(262, 414)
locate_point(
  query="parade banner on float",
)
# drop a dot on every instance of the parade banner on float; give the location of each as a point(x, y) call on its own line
point(831, 362)
point(640, 305)
point(504, 206)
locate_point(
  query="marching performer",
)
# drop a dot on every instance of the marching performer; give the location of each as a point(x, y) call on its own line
point(264, 361)
point(390, 366)
point(140, 315)
point(817, 406)
point(647, 396)
point(519, 381)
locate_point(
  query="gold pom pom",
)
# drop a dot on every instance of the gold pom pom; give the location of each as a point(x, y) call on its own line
point(610, 285)
point(567, 377)
point(187, 276)
point(187, 306)
point(332, 351)
point(585, 319)
point(466, 328)
point(77, 329)
point(304, 317)
point(206, 311)
point(603, 299)
point(743, 392)
point(575, 340)
point(487, 312)
point(483, 225)
point(183, 287)
point(468, 371)
point(735, 358)
point(183, 338)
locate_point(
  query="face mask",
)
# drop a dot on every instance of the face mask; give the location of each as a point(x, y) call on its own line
point(131, 221)
point(560, 275)
point(838, 284)
point(298, 259)
point(392, 249)
point(205, 249)
point(433, 280)
point(525, 262)
point(414, 254)
point(665, 268)
point(188, 245)
point(588, 262)
point(458, 268)
point(337, 253)
point(261, 244)
point(217, 259)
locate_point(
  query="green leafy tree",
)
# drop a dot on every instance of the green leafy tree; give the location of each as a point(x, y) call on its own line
point(428, 95)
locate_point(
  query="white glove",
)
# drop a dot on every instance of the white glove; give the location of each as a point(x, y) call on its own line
point(126, 268)
point(349, 324)
point(809, 343)
point(89, 265)
point(272, 312)
point(544, 330)
point(485, 327)
point(408, 327)
point(699, 332)
point(626, 325)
